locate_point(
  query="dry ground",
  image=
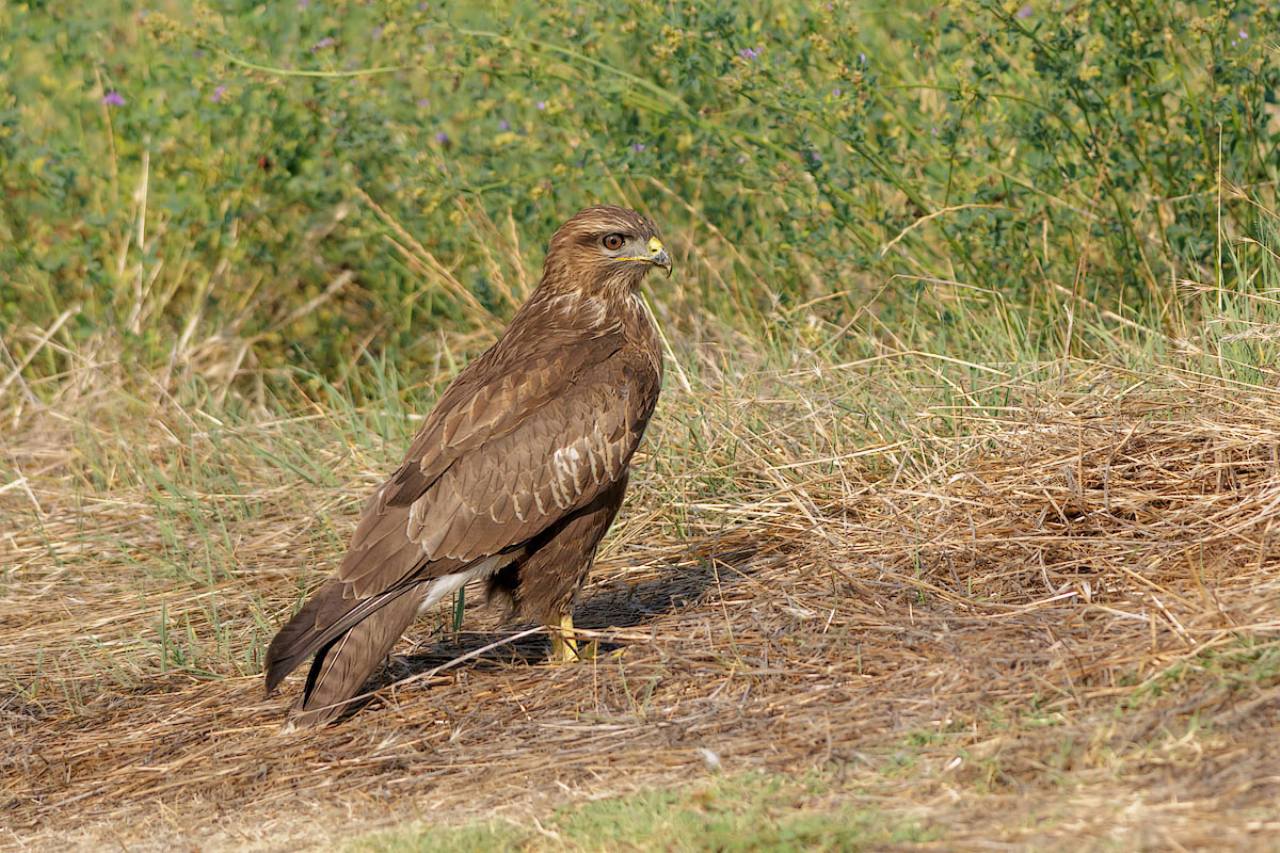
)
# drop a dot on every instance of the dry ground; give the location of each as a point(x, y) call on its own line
point(1060, 630)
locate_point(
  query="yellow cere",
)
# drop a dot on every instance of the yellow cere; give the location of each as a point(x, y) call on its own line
point(655, 246)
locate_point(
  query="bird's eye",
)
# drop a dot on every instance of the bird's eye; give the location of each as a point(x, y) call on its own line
point(613, 242)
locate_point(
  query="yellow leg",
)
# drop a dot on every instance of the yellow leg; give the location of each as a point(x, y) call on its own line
point(564, 645)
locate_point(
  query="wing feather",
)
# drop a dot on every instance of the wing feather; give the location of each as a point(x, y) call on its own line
point(492, 469)
point(529, 478)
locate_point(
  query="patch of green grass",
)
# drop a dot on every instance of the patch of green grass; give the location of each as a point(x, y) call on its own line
point(255, 197)
point(733, 813)
point(1244, 667)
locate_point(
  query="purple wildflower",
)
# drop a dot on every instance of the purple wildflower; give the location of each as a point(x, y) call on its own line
point(1025, 11)
point(442, 137)
point(542, 105)
point(638, 147)
point(836, 92)
point(327, 41)
point(862, 59)
point(423, 103)
point(750, 53)
point(113, 99)
point(504, 125)
point(304, 4)
point(218, 94)
point(1244, 35)
point(376, 32)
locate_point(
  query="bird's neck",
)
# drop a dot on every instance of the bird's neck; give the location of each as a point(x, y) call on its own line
point(605, 301)
point(613, 285)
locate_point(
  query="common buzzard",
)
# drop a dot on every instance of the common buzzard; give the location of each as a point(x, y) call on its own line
point(514, 477)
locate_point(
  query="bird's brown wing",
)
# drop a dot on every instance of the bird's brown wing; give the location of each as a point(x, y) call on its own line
point(505, 454)
point(496, 473)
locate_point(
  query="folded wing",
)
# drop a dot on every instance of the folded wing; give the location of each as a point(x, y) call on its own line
point(503, 456)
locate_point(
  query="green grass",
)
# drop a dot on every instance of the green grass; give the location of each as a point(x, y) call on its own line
point(960, 179)
point(732, 813)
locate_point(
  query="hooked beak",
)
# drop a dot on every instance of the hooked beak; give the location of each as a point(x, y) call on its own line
point(658, 255)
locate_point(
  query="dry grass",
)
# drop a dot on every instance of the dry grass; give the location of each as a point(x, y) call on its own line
point(1057, 626)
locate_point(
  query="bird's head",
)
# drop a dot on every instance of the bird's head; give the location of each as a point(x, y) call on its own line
point(604, 249)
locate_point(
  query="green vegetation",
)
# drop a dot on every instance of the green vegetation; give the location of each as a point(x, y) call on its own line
point(195, 183)
point(738, 813)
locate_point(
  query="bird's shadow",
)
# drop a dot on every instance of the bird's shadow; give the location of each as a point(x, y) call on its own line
point(612, 604)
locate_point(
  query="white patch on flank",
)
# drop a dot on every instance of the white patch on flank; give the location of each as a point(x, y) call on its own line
point(597, 464)
point(448, 584)
point(565, 460)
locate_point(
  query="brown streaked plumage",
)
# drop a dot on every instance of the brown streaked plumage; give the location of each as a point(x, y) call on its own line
point(514, 477)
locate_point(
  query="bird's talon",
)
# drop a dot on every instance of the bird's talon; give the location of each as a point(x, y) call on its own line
point(565, 647)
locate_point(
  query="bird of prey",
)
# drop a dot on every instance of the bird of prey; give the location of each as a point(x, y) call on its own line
point(514, 477)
